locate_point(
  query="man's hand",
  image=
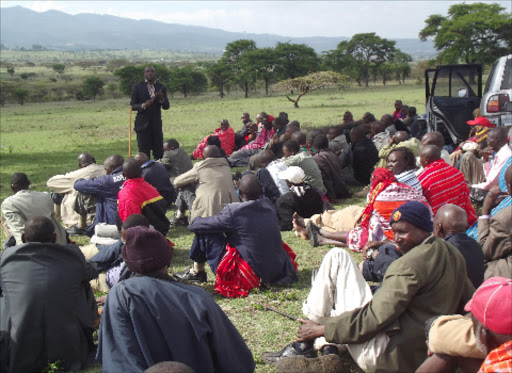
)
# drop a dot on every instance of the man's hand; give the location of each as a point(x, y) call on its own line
point(371, 245)
point(159, 96)
point(147, 104)
point(309, 331)
point(491, 199)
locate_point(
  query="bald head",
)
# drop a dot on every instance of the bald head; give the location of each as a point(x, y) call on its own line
point(132, 169)
point(433, 138)
point(497, 138)
point(39, 229)
point(250, 188)
point(267, 157)
point(112, 162)
point(450, 219)
point(85, 159)
point(141, 157)
point(211, 151)
point(429, 154)
point(401, 136)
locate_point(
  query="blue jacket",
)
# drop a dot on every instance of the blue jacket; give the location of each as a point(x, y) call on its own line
point(105, 188)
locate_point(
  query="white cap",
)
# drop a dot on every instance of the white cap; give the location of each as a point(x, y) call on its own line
point(293, 174)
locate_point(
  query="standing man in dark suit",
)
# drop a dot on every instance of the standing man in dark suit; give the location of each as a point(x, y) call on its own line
point(147, 99)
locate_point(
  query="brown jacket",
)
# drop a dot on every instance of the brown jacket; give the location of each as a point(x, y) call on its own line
point(215, 187)
point(495, 237)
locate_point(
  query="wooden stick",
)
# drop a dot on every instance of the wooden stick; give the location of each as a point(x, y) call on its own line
point(130, 135)
point(277, 311)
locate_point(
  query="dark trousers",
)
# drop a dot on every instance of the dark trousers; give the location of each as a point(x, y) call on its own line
point(208, 247)
point(151, 139)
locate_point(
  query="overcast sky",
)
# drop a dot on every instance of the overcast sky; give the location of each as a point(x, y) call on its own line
point(389, 19)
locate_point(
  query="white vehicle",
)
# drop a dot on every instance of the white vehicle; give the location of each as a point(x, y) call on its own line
point(496, 104)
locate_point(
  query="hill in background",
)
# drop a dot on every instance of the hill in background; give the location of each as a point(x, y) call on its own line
point(21, 28)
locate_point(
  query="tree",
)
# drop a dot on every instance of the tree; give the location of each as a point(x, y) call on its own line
point(187, 80)
point(37, 47)
point(470, 33)
point(220, 75)
point(262, 62)
point(20, 94)
point(370, 48)
point(294, 60)
point(401, 63)
point(26, 76)
point(92, 86)
point(233, 56)
point(5, 91)
point(58, 68)
point(129, 75)
point(10, 71)
point(340, 60)
point(313, 82)
point(386, 71)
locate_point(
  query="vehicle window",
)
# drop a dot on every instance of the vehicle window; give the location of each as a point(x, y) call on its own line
point(489, 79)
point(457, 83)
point(507, 76)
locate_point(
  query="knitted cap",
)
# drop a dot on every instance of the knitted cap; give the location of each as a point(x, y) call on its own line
point(145, 250)
point(413, 212)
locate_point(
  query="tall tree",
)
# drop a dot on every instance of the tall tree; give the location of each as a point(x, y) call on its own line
point(92, 86)
point(470, 33)
point(295, 60)
point(233, 56)
point(262, 62)
point(401, 63)
point(220, 74)
point(20, 94)
point(369, 48)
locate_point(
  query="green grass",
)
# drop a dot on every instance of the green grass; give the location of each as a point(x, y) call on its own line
point(44, 139)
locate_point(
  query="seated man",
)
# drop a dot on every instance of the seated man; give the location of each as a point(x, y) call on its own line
point(175, 159)
point(25, 204)
point(494, 233)
point(330, 168)
point(105, 188)
point(337, 139)
point(383, 332)
point(400, 139)
point(402, 163)
point(380, 137)
point(361, 157)
point(140, 197)
point(47, 310)
point(305, 144)
point(247, 133)
point(226, 136)
point(252, 253)
point(63, 184)
point(437, 139)
point(152, 318)
point(241, 157)
point(480, 341)
point(213, 185)
point(442, 183)
point(302, 198)
point(497, 142)
point(155, 174)
point(389, 124)
point(268, 159)
point(294, 156)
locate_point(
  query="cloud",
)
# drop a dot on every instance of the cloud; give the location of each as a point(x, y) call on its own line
point(43, 6)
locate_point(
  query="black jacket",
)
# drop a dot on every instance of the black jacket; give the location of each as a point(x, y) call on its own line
point(152, 115)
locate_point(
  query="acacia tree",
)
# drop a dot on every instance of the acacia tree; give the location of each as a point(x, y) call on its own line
point(58, 68)
point(262, 62)
point(369, 48)
point(401, 63)
point(220, 74)
point(92, 86)
point(10, 70)
point(233, 57)
point(472, 33)
point(294, 60)
point(20, 94)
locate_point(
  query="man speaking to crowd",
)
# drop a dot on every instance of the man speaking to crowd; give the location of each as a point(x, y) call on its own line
point(147, 99)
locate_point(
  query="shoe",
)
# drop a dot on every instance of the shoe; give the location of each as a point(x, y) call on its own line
point(329, 350)
point(75, 231)
point(183, 221)
point(288, 351)
point(190, 276)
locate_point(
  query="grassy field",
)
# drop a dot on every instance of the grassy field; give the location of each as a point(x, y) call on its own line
point(44, 139)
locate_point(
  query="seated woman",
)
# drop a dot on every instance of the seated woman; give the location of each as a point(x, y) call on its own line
point(302, 198)
point(386, 195)
point(226, 136)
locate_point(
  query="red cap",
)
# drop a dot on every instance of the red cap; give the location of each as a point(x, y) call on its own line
point(481, 121)
point(492, 305)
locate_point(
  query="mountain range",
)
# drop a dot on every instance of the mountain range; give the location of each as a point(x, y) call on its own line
point(21, 28)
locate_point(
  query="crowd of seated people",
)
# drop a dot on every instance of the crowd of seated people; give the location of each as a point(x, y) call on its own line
point(427, 242)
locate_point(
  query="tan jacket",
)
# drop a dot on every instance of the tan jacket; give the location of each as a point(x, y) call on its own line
point(214, 189)
point(64, 184)
point(495, 237)
point(25, 204)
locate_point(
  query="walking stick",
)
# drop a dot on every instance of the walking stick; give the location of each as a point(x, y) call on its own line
point(130, 134)
point(277, 311)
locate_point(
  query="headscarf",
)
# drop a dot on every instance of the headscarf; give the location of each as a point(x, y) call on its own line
point(381, 179)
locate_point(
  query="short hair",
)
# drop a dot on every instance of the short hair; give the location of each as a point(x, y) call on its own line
point(320, 141)
point(19, 180)
point(211, 151)
point(300, 137)
point(267, 156)
point(408, 155)
point(213, 140)
point(132, 169)
point(251, 187)
point(135, 220)
point(294, 123)
point(292, 145)
point(39, 229)
point(172, 143)
point(368, 117)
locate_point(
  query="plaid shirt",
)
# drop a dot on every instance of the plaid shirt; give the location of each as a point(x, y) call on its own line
point(499, 360)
